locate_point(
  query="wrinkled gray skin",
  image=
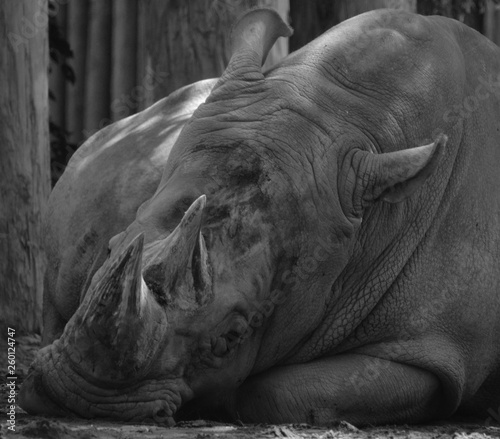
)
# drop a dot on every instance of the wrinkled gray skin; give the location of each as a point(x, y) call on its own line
point(340, 253)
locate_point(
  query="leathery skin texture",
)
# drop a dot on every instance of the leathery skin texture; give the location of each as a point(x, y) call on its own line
point(314, 243)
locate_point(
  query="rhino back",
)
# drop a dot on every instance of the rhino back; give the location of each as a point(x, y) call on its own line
point(395, 76)
point(105, 182)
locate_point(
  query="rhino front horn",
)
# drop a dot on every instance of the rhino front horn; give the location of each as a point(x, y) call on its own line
point(177, 271)
point(118, 319)
point(117, 297)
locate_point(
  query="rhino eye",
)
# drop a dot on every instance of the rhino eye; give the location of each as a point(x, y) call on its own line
point(183, 204)
point(180, 207)
point(233, 338)
point(219, 346)
point(223, 344)
point(170, 218)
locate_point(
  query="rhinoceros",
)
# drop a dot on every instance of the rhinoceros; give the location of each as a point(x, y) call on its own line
point(314, 243)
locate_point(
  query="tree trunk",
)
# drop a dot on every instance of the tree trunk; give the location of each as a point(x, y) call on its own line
point(313, 17)
point(123, 71)
point(57, 83)
point(24, 164)
point(183, 42)
point(98, 68)
point(142, 50)
point(492, 21)
point(78, 22)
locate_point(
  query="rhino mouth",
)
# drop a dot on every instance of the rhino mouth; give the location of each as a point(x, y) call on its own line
point(36, 398)
point(56, 388)
point(57, 385)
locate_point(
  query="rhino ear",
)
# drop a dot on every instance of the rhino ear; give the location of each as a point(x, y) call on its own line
point(252, 37)
point(394, 176)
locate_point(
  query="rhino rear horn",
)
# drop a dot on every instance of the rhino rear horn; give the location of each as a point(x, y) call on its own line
point(178, 270)
point(252, 37)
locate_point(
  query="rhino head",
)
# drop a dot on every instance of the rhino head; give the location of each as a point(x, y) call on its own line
point(160, 323)
point(171, 315)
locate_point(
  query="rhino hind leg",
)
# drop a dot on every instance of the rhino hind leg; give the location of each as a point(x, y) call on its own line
point(328, 390)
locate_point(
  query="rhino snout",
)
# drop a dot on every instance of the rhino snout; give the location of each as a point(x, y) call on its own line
point(36, 400)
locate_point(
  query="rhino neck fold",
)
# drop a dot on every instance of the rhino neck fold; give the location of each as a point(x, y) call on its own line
point(381, 254)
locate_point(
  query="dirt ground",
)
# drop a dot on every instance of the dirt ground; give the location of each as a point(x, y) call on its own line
point(27, 426)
